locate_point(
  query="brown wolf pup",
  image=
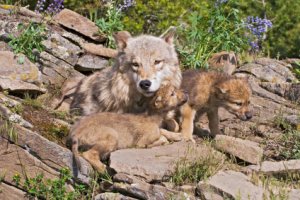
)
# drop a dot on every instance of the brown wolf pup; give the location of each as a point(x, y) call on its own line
point(207, 92)
point(104, 132)
point(142, 65)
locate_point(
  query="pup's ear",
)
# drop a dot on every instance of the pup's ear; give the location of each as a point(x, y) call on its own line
point(121, 39)
point(222, 90)
point(157, 101)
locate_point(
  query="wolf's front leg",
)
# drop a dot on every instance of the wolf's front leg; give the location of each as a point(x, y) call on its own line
point(213, 123)
point(187, 125)
point(161, 141)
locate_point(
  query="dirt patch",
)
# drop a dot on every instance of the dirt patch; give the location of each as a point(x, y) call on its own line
point(46, 124)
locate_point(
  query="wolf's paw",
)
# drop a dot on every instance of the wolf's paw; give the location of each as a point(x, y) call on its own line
point(190, 139)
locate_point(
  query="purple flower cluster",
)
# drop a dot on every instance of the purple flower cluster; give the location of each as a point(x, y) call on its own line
point(55, 7)
point(257, 27)
point(40, 6)
point(219, 2)
point(126, 4)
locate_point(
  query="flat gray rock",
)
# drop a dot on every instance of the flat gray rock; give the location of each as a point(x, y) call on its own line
point(78, 23)
point(235, 185)
point(274, 168)
point(90, 62)
point(112, 196)
point(157, 163)
point(244, 149)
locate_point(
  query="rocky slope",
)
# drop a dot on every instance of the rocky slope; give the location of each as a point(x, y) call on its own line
point(257, 159)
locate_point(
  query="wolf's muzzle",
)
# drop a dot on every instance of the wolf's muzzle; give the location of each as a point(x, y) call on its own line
point(145, 84)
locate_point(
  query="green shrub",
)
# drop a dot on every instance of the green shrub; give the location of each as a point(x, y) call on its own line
point(110, 23)
point(30, 39)
point(221, 30)
point(42, 188)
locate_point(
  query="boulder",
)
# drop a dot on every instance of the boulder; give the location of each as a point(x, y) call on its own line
point(62, 48)
point(50, 153)
point(100, 50)
point(56, 71)
point(18, 74)
point(90, 62)
point(9, 192)
point(78, 23)
point(244, 149)
point(158, 163)
point(232, 185)
point(132, 186)
point(269, 70)
point(16, 160)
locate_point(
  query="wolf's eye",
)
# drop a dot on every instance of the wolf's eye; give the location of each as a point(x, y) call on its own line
point(173, 93)
point(134, 66)
point(157, 62)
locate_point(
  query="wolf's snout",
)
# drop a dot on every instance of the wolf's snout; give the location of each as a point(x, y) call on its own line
point(145, 84)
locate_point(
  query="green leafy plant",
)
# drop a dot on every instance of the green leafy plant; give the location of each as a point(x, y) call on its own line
point(40, 187)
point(110, 23)
point(204, 35)
point(8, 130)
point(29, 40)
point(296, 69)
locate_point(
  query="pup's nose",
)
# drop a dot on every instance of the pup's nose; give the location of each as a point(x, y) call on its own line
point(248, 115)
point(145, 84)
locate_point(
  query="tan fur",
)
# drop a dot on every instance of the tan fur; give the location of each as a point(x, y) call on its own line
point(118, 88)
point(104, 132)
point(223, 62)
point(207, 92)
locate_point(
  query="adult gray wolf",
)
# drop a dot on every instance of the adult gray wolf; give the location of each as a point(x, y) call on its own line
point(142, 65)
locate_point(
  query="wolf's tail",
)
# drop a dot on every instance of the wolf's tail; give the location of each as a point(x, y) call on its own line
point(76, 153)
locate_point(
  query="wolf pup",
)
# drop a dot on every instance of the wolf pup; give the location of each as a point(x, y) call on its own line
point(207, 92)
point(142, 65)
point(102, 133)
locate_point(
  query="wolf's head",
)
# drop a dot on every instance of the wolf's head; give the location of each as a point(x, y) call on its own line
point(234, 95)
point(149, 60)
point(168, 98)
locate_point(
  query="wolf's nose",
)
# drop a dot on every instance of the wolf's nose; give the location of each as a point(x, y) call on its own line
point(248, 115)
point(145, 85)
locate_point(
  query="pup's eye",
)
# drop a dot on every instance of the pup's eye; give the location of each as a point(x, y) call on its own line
point(239, 103)
point(248, 102)
point(157, 62)
point(134, 64)
point(173, 93)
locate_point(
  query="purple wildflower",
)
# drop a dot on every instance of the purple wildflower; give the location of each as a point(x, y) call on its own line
point(126, 4)
point(257, 27)
point(55, 7)
point(40, 6)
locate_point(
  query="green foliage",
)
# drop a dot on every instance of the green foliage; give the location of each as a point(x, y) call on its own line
point(40, 187)
point(8, 130)
point(30, 39)
point(222, 30)
point(290, 140)
point(192, 172)
point(110, 23)
point(33, 102)
point(296, 69)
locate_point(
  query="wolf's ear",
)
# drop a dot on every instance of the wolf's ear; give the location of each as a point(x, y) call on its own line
point(169, 35)
point(121, 39)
